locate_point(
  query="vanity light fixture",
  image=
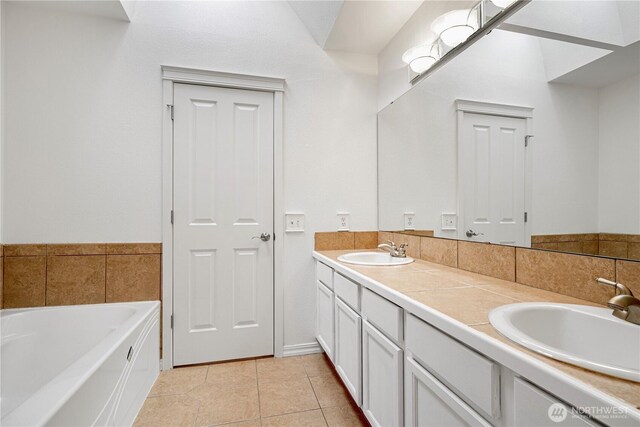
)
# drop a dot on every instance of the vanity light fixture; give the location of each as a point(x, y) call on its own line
point(456, 26)
point(421, 58)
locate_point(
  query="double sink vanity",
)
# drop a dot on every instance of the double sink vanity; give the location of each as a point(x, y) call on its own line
point(421, 344)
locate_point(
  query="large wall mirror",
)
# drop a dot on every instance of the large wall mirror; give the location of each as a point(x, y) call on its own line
point(530, 137)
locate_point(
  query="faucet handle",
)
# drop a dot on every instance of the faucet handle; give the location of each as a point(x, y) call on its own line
point(619, 288)
point(391, 243)
point(403, 245)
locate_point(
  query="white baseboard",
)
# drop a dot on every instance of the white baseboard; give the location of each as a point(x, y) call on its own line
point(301, 349)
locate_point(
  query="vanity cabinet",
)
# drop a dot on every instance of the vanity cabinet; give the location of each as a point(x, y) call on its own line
point(325, 308)
point(381, 378)
point(348, 354)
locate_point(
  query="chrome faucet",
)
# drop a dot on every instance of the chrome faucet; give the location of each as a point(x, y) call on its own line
point(624, 305)
point(395, 251)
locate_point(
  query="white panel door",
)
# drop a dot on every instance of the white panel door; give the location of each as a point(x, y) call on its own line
point(347, 348)
point(493, 179)
point(223, 197)
point(382, 393)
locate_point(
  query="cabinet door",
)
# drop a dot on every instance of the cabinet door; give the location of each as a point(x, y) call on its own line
point(535, 408)
point(324, 318)
point(428, 402)
point(381, 378)
point(348, 353)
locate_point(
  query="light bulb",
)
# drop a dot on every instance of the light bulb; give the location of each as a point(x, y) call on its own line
point(421, 58)
point(503, 4)
point(422, 64)
point(456, 26)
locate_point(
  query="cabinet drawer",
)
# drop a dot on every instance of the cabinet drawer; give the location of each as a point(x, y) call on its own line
point(472, 376)
point(347, 290)
point(324, 274)
point(385, 315)
point(534, 407)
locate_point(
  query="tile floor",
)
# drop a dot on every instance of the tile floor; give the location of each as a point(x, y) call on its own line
point(293, 391)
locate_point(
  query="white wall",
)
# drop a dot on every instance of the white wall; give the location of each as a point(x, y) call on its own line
point(418, 145)
point(83, 134)
point(619, 135)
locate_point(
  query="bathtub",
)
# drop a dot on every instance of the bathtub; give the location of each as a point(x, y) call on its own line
point(80, 365)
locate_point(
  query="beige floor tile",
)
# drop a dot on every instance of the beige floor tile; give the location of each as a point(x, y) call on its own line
point(316, 364)
point(344, 416)
point(329, 391)
point(298, 419)
point(233, 373)
point(280, 369)
point(179, 380)
point(250, 423)
point(221, 404)
point(284, 397)
point(174, 410)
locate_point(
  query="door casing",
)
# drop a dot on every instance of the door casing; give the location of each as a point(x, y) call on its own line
point(504, 110)
point(170, 76)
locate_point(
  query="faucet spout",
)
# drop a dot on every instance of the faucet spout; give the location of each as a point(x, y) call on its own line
point(394, 251)
point(624, 305)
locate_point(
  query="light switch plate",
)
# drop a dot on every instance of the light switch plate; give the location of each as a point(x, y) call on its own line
point(343, 221)
point(294, 222)
point(409, 220)
point(449, 221)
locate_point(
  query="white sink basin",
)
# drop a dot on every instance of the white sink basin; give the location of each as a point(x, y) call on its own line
point(589, 337)
point(373, 258)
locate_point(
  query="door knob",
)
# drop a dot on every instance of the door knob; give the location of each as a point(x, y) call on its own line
point(471, 233)
point(265, 237)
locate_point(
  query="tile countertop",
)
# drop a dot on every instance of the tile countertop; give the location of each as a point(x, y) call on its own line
point(458, 302)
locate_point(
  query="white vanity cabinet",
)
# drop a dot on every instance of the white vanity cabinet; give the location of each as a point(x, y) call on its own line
point(325, 308)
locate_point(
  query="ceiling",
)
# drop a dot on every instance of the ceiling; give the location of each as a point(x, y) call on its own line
point(114, 9)
point(354, 26)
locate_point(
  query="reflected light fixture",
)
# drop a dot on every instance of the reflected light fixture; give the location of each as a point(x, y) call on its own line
point(456, 26)
point(421, 58)
point(503, 4)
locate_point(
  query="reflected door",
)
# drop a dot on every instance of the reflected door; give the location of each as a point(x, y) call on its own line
point(493, 179)
point(223, 198)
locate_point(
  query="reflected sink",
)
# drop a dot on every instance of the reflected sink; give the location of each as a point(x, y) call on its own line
point(373, 258)
point(589, 337)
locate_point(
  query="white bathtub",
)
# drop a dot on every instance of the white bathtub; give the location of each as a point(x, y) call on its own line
point(78, 365)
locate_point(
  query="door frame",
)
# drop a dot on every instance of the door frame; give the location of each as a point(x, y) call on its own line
point(170, 76)
point(505, 110)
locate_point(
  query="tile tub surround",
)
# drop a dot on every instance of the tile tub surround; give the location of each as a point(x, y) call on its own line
point(85, 273)
point(443, 288)
point(292, 391)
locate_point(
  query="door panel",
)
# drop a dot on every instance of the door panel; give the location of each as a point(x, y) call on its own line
point(493, 178)
point(223, 196)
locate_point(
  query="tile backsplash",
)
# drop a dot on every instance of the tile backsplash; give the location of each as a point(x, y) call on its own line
point(35, 275)
point(565, 273)
point(605, 244)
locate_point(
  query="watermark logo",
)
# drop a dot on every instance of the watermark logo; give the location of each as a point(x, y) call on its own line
point(557, 412)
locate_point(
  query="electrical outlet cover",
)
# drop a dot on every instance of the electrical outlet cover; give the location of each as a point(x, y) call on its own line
point(449, 221)
point(294, 222)
point(343, 221)
point(409, 220)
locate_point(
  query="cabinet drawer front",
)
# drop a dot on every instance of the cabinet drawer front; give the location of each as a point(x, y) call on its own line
point(385, 315)
point(473, 377)
point(429, 403)
point(534, 407)
point(347, 290)
point(324, 318)
point(324, 274)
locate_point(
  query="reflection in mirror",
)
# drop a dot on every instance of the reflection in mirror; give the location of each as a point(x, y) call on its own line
point(530, 137)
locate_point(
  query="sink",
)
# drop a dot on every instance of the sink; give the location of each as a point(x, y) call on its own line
point(373, 258)
point(589, 337)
